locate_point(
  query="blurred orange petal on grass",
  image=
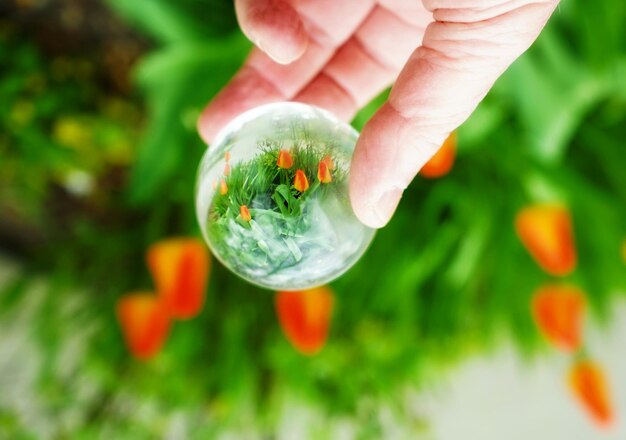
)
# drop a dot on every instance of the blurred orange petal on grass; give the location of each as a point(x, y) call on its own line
point(144, 322)
point(285, 160)
point(546, 232)
point(300, 181)
point(180, 268)
point(558, 310)
point(588, 382)
point(328, 160)
point(323, 173)
point(244, 212)
point(223, 187)
point(441, 163)
point(304, 317)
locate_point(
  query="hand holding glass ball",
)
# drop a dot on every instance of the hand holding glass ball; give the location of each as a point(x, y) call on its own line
point(443, 57)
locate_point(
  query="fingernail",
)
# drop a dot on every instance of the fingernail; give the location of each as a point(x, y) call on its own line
point(386, 206)
point(274, 53)
point(257, 42)
point(277, 57)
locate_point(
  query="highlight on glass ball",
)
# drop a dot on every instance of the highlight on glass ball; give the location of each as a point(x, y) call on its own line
point(272, 197)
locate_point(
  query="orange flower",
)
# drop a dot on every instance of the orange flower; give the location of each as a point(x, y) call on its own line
point(558, 311)
point(245, 213)
point(588, 382)
point(304, 317)
point(144, 322)
point(329, 161)
point(300, 182)
point(226, 169)
point(180, 269)
point(227, 156)
point(284, 159)
point(441, 163)
point(323, 173)
point(546, 232)
point(223, 187)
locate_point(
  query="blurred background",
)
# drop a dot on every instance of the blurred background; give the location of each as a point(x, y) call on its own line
point(432, 334)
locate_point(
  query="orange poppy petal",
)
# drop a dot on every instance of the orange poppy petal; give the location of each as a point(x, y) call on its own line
point(558, 310)
point(546, 232)
point(441, 163)
point(223, 187)
point(180, 269)
point(144, 323)
point(244, 212)
point(323, 173)
point(284, 159)
point(304, 317)
point(329, 161)
point(588, 382)
point(300, 182)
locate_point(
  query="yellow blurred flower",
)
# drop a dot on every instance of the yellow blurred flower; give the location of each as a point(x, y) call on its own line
point(71, 133)
point(22, 113)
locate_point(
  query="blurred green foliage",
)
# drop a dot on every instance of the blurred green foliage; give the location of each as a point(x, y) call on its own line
point(198, 53)
point(446, 278)
point(51, 128)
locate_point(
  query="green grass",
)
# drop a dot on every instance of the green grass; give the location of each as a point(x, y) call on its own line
point(260, 180)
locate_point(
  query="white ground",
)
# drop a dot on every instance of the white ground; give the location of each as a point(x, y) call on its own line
point(502, 398)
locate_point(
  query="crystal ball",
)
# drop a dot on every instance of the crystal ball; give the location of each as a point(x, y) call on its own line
point(272, 197)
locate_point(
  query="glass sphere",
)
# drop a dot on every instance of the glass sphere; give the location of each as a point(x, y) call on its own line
point(272, 197)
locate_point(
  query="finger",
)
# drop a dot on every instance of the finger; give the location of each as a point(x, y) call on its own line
point(461, 56)
point(411, 11)
point(366, 65)
point(326, 93)
point(274, 26)
point(260, 81)
point(332, 22)
point(246, 90)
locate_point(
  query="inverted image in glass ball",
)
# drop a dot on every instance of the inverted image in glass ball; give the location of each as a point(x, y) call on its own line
point(272, 197)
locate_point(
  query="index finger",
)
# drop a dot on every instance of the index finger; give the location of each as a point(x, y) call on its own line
point(262, 80)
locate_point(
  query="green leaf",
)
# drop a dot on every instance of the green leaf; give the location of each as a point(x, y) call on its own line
point(554, 92)
point(161, 19)
point(178, 80)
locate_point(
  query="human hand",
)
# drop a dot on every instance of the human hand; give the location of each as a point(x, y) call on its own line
point(339, 54)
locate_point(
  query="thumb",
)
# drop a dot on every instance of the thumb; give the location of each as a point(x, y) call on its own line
point(468, 46)
point(273, 26)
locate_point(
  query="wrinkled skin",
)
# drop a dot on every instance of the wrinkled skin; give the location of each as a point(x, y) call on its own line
point(443, 56)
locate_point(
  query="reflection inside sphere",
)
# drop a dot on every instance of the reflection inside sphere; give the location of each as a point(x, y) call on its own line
point(272, 197)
